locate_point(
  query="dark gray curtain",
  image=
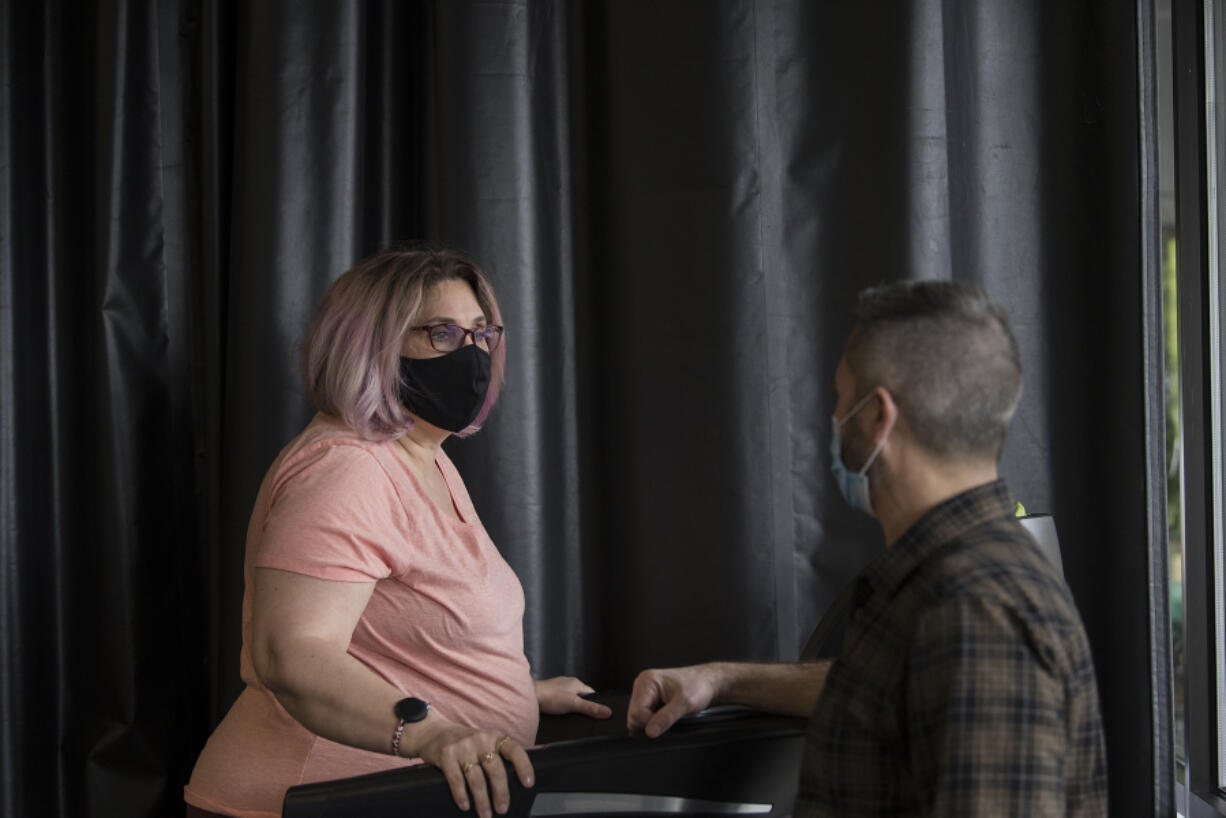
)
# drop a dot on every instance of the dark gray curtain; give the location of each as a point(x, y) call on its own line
point(677, 201)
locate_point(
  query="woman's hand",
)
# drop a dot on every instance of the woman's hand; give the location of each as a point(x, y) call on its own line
point(564, 694)
point(471, 760)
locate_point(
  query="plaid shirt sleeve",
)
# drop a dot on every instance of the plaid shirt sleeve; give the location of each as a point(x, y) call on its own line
point(985, 712)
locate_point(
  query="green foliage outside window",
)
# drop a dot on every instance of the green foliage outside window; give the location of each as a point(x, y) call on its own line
point(1174, 488)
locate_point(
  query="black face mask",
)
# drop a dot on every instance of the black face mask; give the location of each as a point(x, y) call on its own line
point(447, 391)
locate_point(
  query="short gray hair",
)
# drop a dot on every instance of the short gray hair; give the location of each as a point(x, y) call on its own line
point(946, 354)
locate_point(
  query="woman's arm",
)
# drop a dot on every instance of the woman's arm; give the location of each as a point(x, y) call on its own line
point(301, 629)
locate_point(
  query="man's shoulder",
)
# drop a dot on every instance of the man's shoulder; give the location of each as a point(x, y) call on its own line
point(998, 581)
point(988, 558)
point(1000, 566)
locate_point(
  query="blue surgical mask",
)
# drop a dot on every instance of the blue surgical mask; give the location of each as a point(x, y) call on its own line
point(852, 485)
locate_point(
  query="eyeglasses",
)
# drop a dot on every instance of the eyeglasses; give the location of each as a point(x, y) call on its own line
point(449, 337)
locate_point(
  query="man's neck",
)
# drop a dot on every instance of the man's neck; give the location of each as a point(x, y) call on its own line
point(925, 485)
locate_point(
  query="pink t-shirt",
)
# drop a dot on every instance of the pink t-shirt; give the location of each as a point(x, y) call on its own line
point(444, 624)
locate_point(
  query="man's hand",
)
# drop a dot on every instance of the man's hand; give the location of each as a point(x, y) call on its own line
point(660, 697)
point(564, 694)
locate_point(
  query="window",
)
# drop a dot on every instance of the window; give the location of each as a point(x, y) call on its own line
point(1170, 304)
point(1192, 78)
point(1215, 164)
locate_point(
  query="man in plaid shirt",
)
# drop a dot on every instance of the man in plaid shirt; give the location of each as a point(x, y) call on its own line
point(965, 684)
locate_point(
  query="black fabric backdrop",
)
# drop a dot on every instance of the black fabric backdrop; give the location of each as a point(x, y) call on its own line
point(677, 201)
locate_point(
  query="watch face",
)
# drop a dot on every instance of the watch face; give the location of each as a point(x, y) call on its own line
point(412, 710)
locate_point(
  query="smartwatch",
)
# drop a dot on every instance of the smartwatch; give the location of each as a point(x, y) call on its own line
point(411, 710)
point(408, 710)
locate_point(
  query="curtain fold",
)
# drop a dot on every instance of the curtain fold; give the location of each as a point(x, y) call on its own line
point(499, 179)
point(99, 511)
point(296, 203)
point(677, 203)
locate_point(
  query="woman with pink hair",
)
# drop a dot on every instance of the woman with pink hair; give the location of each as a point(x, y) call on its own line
point(381, 627)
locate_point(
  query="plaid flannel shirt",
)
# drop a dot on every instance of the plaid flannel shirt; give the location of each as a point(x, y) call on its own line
point(965, 685)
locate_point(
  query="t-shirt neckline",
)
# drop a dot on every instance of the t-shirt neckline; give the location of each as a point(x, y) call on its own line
point(460, 515)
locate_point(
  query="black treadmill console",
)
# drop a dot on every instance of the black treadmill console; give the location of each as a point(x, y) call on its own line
point(726, 761)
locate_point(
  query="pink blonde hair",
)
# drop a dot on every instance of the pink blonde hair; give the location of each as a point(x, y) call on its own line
point(351, 355)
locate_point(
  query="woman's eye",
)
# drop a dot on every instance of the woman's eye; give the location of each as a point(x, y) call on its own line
point(440, 336)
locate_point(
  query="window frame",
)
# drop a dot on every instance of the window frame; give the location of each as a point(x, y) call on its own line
point(1198, 254)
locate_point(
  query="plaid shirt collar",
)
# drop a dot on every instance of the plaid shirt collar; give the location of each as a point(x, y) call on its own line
point(938, 527)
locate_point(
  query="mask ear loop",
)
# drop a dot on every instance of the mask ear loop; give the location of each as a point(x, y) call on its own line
point(881, 443)
point(852, 412)
point(876, 451)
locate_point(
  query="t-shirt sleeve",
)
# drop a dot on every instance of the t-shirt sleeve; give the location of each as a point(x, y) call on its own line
point(334, 514)
point(985, 713)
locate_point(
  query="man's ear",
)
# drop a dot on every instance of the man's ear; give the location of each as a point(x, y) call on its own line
point(887, 413)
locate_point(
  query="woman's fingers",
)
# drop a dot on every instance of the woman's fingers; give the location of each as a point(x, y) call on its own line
point(474, 774)
point(496, 773)
point(509, 749)
point(479, 776)
point(564, 694)
point(594, 709)
point(455, 780)
point(586, 706)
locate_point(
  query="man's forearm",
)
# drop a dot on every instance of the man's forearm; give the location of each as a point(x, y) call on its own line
point(661, 696)
point(790, 688)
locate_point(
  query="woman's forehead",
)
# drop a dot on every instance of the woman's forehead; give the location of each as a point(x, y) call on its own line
point(452, 298)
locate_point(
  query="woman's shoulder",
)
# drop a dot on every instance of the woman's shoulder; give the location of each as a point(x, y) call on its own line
point(329, 447)
point(325, 428)
point(331, 508)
